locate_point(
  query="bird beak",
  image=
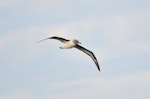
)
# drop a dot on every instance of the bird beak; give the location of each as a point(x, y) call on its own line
point(79, 42)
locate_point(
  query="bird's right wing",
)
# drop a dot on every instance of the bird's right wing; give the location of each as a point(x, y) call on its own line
point(59, 38)
point(54, 37)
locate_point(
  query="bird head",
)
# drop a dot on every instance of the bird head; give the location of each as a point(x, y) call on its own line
point(76, 41)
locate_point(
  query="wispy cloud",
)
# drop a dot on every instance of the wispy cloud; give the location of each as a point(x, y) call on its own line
point(120, 87)
point(134, 85)
point(18, 95)
point(7, 3)
point(116, 31)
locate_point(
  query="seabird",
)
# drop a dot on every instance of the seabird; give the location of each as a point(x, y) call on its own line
point(74, 43)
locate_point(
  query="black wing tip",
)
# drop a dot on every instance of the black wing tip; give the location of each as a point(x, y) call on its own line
point(54, 37)
point(98, 68)
point(41, 40)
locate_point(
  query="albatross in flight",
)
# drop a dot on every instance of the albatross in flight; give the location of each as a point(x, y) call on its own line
point(74, 43)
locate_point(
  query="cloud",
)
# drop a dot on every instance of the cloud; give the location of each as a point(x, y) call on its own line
point(6, 3)
point(134, 85)
point(18, 95)
point(129, 86)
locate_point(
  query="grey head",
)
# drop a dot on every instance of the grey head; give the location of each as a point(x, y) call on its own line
point(75, 41)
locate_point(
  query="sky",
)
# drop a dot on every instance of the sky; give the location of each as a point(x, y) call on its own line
point(117, 31)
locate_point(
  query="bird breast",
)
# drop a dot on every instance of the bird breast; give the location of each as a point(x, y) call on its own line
point(68, 44)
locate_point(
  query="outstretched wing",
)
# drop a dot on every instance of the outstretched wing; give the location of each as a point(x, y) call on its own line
point(54, 37)
point(59, 38)
point(91, 54)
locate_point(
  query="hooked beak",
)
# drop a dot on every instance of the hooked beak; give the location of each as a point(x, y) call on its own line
point(79, 42)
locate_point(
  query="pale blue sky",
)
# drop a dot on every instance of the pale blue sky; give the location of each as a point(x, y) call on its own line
point(115, 30)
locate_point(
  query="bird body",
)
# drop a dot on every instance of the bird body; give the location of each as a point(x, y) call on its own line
point(67, 44)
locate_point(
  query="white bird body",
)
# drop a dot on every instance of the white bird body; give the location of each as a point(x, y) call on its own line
point(68, 44)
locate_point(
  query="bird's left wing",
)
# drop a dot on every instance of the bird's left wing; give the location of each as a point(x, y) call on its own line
point(91, 54)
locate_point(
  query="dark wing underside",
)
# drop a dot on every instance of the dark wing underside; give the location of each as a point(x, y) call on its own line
point(59, 38)
point(54, 37)
point(91, 54)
